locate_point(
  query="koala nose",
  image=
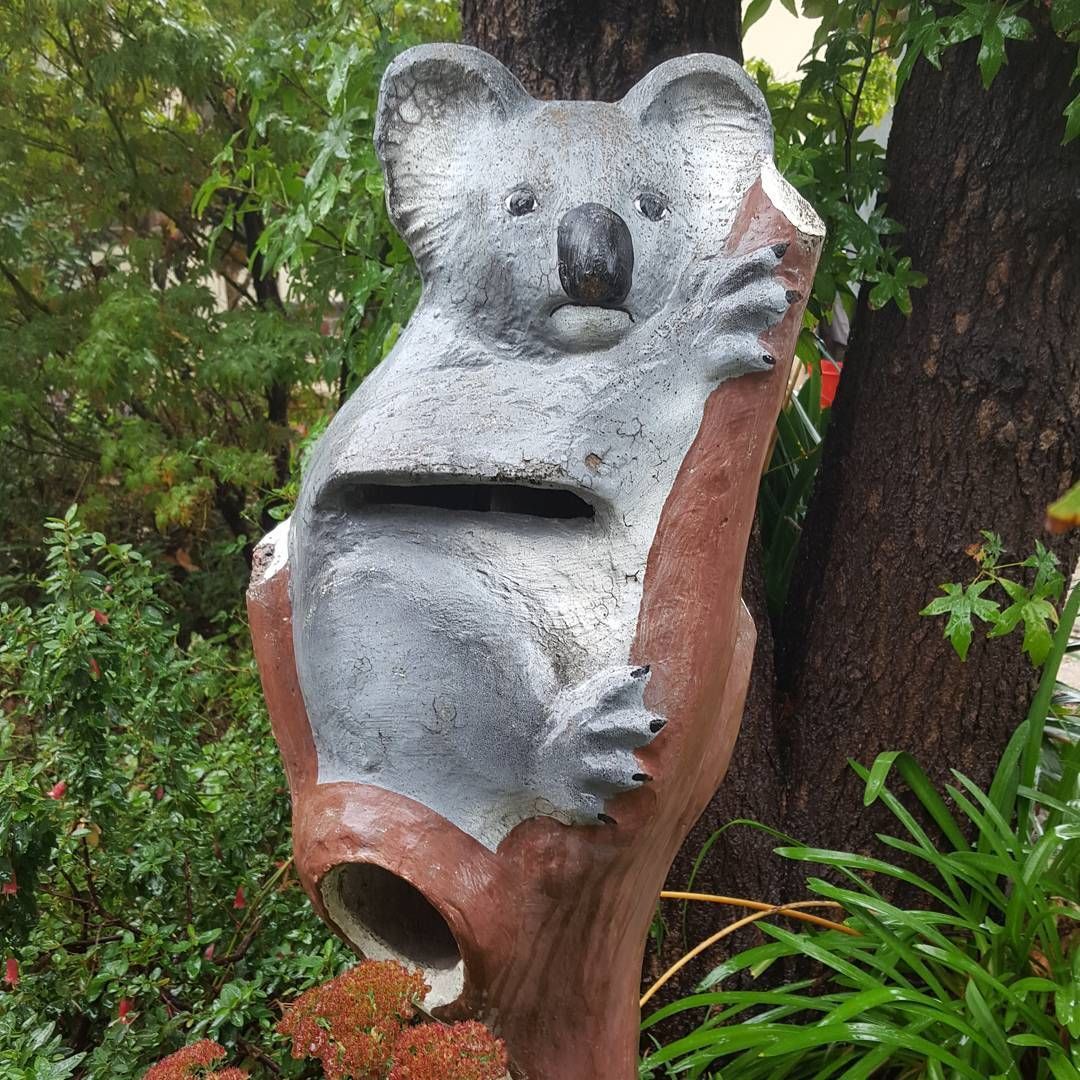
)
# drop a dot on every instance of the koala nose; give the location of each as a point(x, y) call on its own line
point(596, 255)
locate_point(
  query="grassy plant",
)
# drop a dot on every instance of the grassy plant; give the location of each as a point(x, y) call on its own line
point(789, 477)
point(981, 980)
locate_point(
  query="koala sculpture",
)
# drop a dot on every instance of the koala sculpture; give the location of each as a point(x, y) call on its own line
point(470, 558)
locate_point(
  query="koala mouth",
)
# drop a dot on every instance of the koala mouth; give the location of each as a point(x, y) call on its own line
point(592, 307)
point(582, 327)
point(450, 494)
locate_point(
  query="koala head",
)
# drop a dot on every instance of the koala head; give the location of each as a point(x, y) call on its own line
point(564, 226)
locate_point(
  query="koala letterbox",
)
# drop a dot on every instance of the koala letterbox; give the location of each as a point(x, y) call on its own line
point(502, 638)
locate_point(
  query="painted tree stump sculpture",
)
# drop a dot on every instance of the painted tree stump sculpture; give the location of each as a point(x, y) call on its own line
point(502, 638)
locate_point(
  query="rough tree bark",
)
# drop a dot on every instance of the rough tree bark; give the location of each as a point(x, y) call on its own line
point(964, 416)
point(597, 49)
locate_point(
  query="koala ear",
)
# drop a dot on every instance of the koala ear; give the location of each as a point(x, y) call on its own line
point(710, 105)
point(432, 98)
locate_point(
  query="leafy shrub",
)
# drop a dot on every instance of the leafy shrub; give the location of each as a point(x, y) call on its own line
point(985, 982)
point(30, 1050)
point(1030, 606)
point(161, 165)
point(138, 903)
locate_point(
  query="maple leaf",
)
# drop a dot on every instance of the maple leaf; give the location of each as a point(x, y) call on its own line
point(961, 606)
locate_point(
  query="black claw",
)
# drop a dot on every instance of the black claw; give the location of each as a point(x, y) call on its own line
point(606, 820)
point(641, 778)
point(657, 724)
point(793, 295)
point(640, 672)
point(780, 250)
point(768, 360)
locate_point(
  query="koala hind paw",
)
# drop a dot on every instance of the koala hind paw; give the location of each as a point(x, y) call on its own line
point(597, 726)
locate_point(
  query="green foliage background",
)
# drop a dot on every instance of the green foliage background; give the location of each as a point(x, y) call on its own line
point(145, 824)
point(195, 262)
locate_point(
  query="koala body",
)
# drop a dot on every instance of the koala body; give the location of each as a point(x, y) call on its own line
point(472, 532)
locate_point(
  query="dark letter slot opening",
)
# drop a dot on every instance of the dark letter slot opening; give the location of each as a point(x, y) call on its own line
point(483, 498)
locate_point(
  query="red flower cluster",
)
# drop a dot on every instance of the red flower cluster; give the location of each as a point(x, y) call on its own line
point(457, 1052)
point(351, 1023)
point(192, 1062)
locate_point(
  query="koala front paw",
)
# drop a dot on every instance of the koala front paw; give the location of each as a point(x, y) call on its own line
point(743, 299)
point(589, 755)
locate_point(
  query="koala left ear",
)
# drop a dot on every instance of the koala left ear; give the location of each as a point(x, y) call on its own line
point(432, 99)
point(708, 100)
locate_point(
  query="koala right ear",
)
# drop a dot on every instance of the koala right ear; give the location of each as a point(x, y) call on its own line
point(712, 110)
point(430, 98)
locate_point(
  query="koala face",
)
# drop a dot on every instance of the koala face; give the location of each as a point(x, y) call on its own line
point(584, 222)
point(564, 227)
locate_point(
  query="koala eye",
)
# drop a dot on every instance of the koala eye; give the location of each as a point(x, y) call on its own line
point(652, 206)
point(521, 202)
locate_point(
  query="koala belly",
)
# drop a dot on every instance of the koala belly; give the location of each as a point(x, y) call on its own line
point(431, 656)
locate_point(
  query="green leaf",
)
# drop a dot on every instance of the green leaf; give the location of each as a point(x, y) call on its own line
point(1007, 621)
point(1065, 16)
point(922, 36)
point(991, 54)
point(961, 606)
point(921, 786)
point(1038, 614)
point(1072, 130)
point(754, 11)
point(896, 286)
point(1065, 513)
point(1049, 581)
point(1067, 1000)
point(990, 550)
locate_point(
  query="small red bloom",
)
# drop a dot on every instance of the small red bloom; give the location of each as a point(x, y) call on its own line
point(122, 1011)
point(58, 790)
point(448, 1052)
point(95, 668)
point(11, 972)
point(9, 888)
point(239, 901)
point(830, 380)
point(208, 952)
point(100, 617)
point(159, 793)
point(350, 1023)
point(192, 1061)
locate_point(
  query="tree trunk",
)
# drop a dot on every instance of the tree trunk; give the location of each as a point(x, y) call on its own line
point(964, 416)
point(597, 49)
